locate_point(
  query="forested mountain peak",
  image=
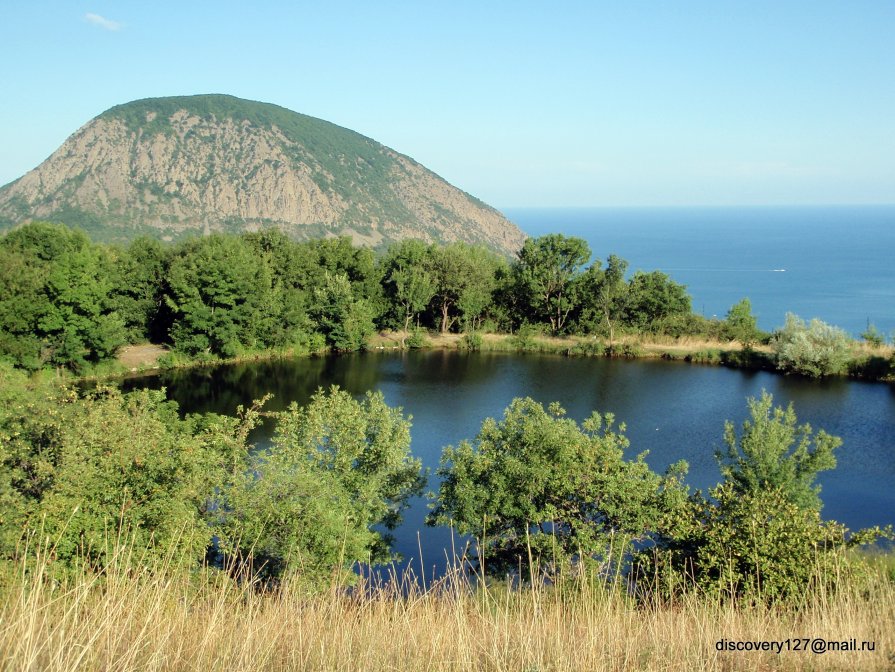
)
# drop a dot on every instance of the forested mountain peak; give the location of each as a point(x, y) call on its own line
point(175, 166)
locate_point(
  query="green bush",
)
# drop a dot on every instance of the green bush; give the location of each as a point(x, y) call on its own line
point(418, 339)
point(524, 338)
point(542, 493)
point(87, 471)
point(589, 348)
point(816, 349)
point(759, 534)
point(307, 506)
point(757, 545)
point(471, 341)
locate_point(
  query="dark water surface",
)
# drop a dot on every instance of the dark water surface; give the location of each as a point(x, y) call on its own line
point(673, 409)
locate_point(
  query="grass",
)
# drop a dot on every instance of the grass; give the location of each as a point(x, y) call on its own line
point(162, 618)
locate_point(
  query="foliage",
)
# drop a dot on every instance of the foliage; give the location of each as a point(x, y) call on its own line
point(471, 341)
point(549, 277)
point(741, 325)
point(139, 290)
point(652, 297)
point(464, 278)
point(816, 349)
point(774, 454)
point(55, 305)
point(604, 295)
point(308, 504)
point(218, 293)
point(85, 472)
point(759, 545)
point(759, 533)
point(873, 336)
point(408, 283)
point(345, 321)
point(537, 488)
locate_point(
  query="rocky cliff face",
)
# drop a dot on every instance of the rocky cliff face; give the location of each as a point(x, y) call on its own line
point(174, 166)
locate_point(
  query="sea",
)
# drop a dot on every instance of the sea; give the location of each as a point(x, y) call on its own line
point(835, 263)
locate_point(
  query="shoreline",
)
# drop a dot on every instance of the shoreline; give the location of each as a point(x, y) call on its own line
point(693, 351)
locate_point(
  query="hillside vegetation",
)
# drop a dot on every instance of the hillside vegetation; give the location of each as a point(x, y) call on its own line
point(169, 166)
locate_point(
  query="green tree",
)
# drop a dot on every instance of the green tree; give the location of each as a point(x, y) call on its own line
point(139, 291)
point(873, 336)
point(816, 349)
point(773, 453)
point(55, 306)
point(409, 285)
point(759, 545)
point(741, 325)
point(87, 472)
point(653, 297)
point(310, 504)
point(345, 321)
point(759, 533)
point(219, 292)
point(604, 294)
point(464, 280)
point(537, 486)
point(283, 319)
point(549, 272)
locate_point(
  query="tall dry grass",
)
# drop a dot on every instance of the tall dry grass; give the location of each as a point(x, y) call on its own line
point(162, 618)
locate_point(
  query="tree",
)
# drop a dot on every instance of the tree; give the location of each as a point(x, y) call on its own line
point(409, 285)
point(463, 276)
point(652, 297)
point(90, 472)
point(759, 532)
point(218, 294)
point(537, 486)
point(311, 502)
point(816, 349)
point(548, 272)
point(345, 321)
point(55, 307)
point(741, 325)
point(774, 453)
point(139, 291)
point(605, 291)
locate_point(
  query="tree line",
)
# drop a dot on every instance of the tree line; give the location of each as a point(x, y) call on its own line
point(68, 302)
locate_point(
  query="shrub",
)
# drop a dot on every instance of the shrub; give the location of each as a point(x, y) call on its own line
point(85, 472)
point(471, 341)
point(542, 492)
point(417, 339)
point(873, 336)
point(308, 504)
point(524, 338)
point(816, 349)
point(759, 533)
point(758, 545)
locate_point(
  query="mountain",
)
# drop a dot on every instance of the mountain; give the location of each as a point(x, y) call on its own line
point(170, 167)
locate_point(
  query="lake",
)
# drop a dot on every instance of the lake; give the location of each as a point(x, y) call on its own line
point(834, 263)
point(674, 410)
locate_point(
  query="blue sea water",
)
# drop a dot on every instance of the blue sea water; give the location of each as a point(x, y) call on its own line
point(833, 263)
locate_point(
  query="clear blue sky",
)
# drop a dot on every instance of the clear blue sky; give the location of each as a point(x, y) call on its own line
point(519, 103)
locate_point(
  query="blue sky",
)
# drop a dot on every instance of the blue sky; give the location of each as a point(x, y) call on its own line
point(519, 103)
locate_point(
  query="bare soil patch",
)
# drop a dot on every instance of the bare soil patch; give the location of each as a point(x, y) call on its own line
point(145, 355)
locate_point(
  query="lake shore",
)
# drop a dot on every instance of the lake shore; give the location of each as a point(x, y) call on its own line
point(869, 363)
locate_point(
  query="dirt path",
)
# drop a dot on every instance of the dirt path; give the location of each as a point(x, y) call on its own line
point(145, 355)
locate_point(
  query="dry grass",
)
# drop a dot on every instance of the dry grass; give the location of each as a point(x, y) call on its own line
point(162, 619)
